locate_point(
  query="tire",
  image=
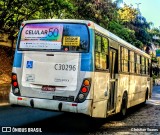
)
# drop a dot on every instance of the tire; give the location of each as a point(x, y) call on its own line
point(123, 111)
point(146, 97)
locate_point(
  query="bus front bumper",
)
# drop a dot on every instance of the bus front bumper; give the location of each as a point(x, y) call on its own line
point(84, 108)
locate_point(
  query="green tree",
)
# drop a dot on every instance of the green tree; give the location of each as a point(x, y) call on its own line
point(155, 34)
point(127, 14)
point(141, 27)
point(124, 33)
point(99, 11)
point(13, 12)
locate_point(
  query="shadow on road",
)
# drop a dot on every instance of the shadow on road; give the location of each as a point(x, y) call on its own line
point(70, 123)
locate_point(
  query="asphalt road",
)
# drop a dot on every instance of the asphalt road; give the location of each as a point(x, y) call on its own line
point(52, 122)
point(49, 121)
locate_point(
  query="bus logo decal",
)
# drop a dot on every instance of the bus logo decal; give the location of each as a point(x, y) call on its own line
point(29, 64)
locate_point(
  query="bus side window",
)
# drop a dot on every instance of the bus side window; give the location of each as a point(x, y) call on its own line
point(147, 67)
point(98, 43)
point(104, 58)
point(135, 59)
point(105, 45)
point(131, 62)
point(150, 67)
point(101, 52)
point(143, 65)
point(138, 64)
point(124, 59)
point(97, 51)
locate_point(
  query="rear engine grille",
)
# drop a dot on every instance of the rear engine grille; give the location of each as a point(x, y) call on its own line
point(60, 98)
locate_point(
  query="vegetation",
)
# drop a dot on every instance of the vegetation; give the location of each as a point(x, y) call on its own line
point(124, 22)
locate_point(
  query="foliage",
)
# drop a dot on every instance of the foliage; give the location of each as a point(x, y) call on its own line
point(124, 22)
point(124, 33)
point(13, 12)
point(98, 11)
point(127, 14)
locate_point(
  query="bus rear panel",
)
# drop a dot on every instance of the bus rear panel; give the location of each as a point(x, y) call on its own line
point(53, 67)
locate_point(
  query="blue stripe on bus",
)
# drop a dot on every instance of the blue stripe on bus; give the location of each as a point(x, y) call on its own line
point(87, 58)
point(86, 62)
point(17, 59)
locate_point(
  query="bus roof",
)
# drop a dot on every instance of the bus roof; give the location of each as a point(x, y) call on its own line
point(96, 27)
point(57, 20)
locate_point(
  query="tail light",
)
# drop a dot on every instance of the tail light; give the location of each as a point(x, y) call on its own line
point(15, 84)
point(14, 77)
point(15, 87)
point(22, 24)
point(84, 90)
point(86, 82)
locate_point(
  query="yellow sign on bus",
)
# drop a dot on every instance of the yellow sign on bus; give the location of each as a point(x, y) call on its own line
point(71, 41)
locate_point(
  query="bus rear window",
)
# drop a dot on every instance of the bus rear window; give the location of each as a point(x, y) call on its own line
point(54, 37)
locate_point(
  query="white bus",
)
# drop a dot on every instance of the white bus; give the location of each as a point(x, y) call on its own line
point(77, 66)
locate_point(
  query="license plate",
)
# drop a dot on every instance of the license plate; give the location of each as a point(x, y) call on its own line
point(48, 88)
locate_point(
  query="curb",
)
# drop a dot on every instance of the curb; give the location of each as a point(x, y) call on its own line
point(4, 104)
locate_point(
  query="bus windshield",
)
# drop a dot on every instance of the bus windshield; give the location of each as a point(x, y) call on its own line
point(54, 37)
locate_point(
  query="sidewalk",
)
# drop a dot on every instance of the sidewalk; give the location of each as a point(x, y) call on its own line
point(155, 100)
point(4, 104)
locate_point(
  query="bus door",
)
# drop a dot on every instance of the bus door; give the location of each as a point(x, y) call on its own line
point(113, 66)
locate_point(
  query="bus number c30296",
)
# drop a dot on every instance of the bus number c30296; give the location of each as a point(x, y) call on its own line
point(65, 67)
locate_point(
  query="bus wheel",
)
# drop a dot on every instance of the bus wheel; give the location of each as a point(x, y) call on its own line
point(146, 97)
point(124, 105)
